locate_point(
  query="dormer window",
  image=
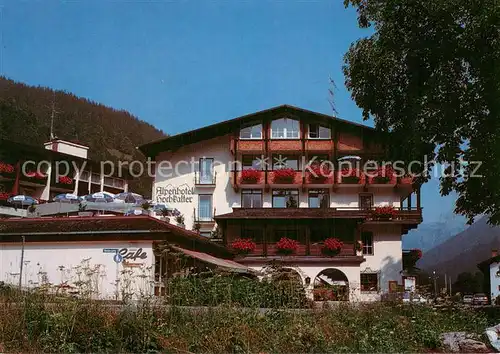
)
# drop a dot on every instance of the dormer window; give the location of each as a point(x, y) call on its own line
point(253, 132)
point(317, 131)
point(285, 128)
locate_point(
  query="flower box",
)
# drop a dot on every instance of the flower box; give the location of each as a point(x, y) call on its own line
point(383, 175)
point(35, 175)
point(4, 196)
point(318, 174)
point(331, 247)
point(384, 213)
point(286, 246)
point(284, 175)
point(6, 168)
point(65, 180)
point(250, 176)
point(243, 246)
point(350, 176)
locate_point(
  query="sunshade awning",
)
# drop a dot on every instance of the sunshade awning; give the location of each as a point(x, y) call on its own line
point(223, 263)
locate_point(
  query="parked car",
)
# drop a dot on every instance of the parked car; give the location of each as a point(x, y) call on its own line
point(415, 298)
point(467, 299)
point(480, 299)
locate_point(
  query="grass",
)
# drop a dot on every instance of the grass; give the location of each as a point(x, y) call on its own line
point(29, 324)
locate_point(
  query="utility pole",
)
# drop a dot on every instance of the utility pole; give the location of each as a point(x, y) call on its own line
point(21, 265)
point(445, 284)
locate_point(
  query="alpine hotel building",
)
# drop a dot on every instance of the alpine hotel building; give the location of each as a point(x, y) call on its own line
point(216, 194)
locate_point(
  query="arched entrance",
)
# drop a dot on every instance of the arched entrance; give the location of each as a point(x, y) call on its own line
point(331, 285)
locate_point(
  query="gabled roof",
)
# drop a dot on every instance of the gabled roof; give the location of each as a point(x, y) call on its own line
point(223, 128)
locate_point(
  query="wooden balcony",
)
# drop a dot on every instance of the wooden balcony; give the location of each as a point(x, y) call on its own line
point(403, 215)
point(285, 145)
point(238, 182)
point(249, 146)
point(276, 182)
point(320, 146)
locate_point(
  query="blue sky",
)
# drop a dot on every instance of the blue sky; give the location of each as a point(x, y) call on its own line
point(180, 65)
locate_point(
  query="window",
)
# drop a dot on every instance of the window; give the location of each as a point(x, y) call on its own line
point(255, 234)
point(206, 166)
point(285, 128)
point(365, 201)
point(251, 198)
point(290, 233)
point(285, 198)
point(205, 207)
point(317, 131)
point(285, 161)
point(251, 162)
point(318, 159)
point(319, 198)
point(367, 240)
point(253, 132)
point(369, 282)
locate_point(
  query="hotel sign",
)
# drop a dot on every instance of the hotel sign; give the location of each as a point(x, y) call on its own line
point(182, 194)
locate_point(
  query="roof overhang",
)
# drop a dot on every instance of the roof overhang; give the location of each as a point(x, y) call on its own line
point(174, 142)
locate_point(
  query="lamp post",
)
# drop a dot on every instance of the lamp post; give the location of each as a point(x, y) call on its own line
point(435, 283)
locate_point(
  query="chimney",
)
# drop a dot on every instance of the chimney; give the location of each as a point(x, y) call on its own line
point(494, 253)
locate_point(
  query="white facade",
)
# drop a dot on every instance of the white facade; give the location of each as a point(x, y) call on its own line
point(494, 280)
point(67, 147)
point(178, 170)
point(89, 268)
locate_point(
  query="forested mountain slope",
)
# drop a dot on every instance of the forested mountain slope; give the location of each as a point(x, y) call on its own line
point(25, 113)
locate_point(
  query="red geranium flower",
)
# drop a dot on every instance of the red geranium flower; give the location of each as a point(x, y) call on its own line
point(250, 176)
point(319, 173)
point(284, 175)
point(287, 246)
point(384, 212)
point(350, 176)
point(6, 168)
point(65, 180)
point(332, 246)
point(243, 246)
point(382, 175)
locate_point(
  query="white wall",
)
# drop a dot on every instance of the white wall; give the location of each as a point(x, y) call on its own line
point(224, 196)
point(44, 260)
point(494, 281)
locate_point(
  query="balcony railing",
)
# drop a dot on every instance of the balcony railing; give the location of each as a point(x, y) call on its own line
point(403, 215)
point(204, 215)
point(307, 248)
point(205, 179)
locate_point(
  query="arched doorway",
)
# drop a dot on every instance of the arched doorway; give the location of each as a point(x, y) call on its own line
point(331, 285)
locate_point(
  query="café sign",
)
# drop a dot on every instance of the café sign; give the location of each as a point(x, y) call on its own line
point(126, 255)
point(183, 194)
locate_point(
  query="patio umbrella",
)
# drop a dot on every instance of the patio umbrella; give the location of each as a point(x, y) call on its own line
point(66, 198)
point(135, 212)
point(100, 197)
point(132, 198)
point(22, 200)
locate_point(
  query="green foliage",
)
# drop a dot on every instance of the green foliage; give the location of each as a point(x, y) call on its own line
point(38, 323)
point(111, 135)
point(234, 291)
point(429, 73)
point(468, 283)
